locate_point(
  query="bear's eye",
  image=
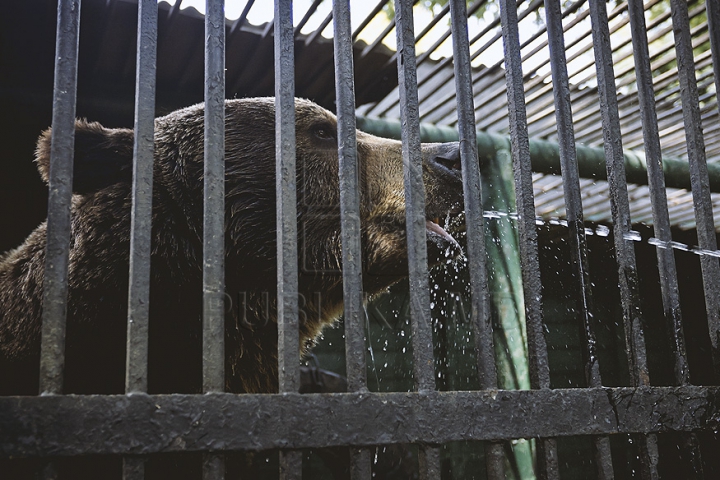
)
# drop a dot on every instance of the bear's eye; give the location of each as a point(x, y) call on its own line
point(324, 132)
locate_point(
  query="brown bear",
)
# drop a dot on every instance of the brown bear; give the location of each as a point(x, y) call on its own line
point(99, 250)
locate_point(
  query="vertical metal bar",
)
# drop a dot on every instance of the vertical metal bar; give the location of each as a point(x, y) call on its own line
point(472, 189)
point(698, 172)
point(214, 203)
point(615, 162)
point(286, 198)
point(527, 230)
point(620, 208)
point(55, 286)
point(699, 182)
point(133, 467)
point(360, 463)
point(656, 182)
point(573, 207)
point(214, 217)
point(289, 343)
point(360, 458)
point(141, 216)
point(473, 193)
point(213, 466)
point(414, 200)
point(423, 367)
point(429, 463)
point(290, 464)
point(349, 199)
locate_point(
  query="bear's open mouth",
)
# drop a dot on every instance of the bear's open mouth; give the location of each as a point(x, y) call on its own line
point(433, 228)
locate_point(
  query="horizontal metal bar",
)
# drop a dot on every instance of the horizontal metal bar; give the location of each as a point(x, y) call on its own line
point(545, 156)
point(140, 423)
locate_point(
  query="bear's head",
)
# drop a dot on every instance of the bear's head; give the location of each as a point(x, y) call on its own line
point(101, 218)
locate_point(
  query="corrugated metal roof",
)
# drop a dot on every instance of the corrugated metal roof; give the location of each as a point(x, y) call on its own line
point(437, 95)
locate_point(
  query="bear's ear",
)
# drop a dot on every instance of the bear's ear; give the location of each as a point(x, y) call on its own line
point(103, 156)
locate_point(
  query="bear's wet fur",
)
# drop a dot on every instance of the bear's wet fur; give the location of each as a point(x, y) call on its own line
point(99, 249)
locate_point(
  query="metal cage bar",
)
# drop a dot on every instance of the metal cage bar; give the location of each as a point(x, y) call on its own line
point(141, 216)
point(214, 200)
point(288, 336)
point(286, 200)
point(55, 286)
point(661, 220)
point(136, 366)
point(547, 467)
point(702, 202)
point(354, 312)
point(620, 207)
point(472, 189)
point(656, 181)
point(421, 321)
point(349, 200)
point(414, 201)
point(117, 424)
point(57, 250)
point(573, 208)
point(213, 351)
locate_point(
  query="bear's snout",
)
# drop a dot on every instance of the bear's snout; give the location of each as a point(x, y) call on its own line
point(444, 157)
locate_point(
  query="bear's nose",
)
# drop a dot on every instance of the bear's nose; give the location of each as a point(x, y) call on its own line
point(447, 155)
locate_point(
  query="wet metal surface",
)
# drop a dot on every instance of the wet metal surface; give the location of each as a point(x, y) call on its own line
point(539, 368)
point(140, 220)
point(72, 425)
point(414, 201)
point(52, 354)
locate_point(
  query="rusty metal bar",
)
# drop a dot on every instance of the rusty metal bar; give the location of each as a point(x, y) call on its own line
point(57, 249)
point(547, 463)
point(620, 208)
point(361, 463)
point(286, 199)
point(661, 223)
point(136, 366)
point(656, 181)
point(354, 317)
point(289, 342)
point(414, 201)
point(214, 201)
point(57, 425)
point(702, 202)
point(573, 208)
point(141, 215)
point(213, 352)
point(55, 284)
point(133, 467)
point(472, 189)
point(421, 321)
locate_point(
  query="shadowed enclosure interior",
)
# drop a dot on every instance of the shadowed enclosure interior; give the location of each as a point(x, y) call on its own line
point(609, 366)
